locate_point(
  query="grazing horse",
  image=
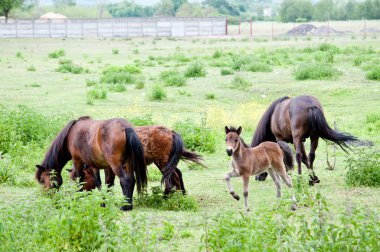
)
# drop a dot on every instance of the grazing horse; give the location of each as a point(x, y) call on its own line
point(105, 144)
point(293, 120)
point(163, 147)
point(274, 158)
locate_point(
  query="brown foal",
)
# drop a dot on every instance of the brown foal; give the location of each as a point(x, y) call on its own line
point(270, 157)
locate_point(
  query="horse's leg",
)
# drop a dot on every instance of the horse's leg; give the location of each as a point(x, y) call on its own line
point(79, 166)
point(109, 177)
point(228, 177)
point(98, 180)
point(288, 181)
point(276, 181)
point(305, 160)
point(298, 145)
point(313, 148)
point(181, 184)
point(245, 192)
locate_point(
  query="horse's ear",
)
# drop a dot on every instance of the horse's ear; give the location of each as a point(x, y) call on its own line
point(41, 167)
point(226, 129)
point(238, 131)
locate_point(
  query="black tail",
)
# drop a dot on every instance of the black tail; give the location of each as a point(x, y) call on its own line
point(288, 155)
point(263, 131)
point(134, 153)
point(177, 153)
point(318, 125)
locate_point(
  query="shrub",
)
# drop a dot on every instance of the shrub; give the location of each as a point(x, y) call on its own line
point(363, 169)
point(326, 47)
point(67, 66)
point(19, 55)
point(210, 96)
point(123, 75)
point(226, 71)
point(197, 137)
point(90, 83)
point(97, 94)
point(374, 74)
point(143, 120)
point(173, 78)
point(157, 93)
point(239, 82)
point(217, 54)
point(117, 88)
point(195, 69)
point(258, 67)
point(176, 201)
point(241, 61)
point(316, 72)
point(115, 51)
point(57, 54)
point(31, 68)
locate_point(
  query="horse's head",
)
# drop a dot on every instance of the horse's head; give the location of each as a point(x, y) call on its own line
point(232, 139)
point(48, 178)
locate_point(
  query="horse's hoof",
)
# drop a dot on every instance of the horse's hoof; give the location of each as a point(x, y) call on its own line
point(236, 197)
point(247, 210)
point(126, 208)
point(316, 179)
point(293, 208)
point(103, 205)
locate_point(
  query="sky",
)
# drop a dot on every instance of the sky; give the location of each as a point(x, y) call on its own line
point(93, 2)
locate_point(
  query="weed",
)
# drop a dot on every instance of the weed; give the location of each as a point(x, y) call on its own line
point(239, 82)
point(258, 67)
point(90, 83)
point(31, 68)
point(217, 54)
point(57, 54)
point(210, 96)
point(143, 120)
point(97, 94)
point(117, 88)
point(226, 71)
point(316, 72)
point(173, 78)
point(195, 69)
point(122, 75)
point(374, 74)
point(115, 51)
point(67, 66)
point(157, 93)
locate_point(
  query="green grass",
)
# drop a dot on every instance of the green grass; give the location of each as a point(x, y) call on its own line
point(316, 72)
point(57, 54)
point(33, 221)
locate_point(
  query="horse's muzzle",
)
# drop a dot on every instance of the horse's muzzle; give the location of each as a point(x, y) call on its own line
point(229, 152)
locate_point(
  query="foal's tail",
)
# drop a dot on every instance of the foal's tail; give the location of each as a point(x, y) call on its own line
point(178, 153)
point(134, 153)
point(288, 155)
point(318, 125)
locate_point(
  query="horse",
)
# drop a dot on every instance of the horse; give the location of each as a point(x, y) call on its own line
point(104, 144)
point(293, 120)
point(274, 158)
point(163, 147)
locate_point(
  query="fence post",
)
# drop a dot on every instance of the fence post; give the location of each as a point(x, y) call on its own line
point(33, 27)
point(199, 26)
point(156, 19)
point(212, 27)
point(49, 28)
point(328, 28)
point(66, 30)
point(112, 26)
point(82, 32)
point(171, 28)
point(272, 31)
point(127, 27)
point(239, 26)
point(226, 25)
point(365, 28)
point(97, 27)
point(251, 27)
point(16, 28)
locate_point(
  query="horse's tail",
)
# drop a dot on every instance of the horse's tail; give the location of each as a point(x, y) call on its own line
point(177, 153)
point(263, 130)
point(288, 155)
point(58, 154)
point(318, 125)
point(134, 154)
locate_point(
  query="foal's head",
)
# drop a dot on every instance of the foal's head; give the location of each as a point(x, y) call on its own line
point(232, 139)
point(48, 178)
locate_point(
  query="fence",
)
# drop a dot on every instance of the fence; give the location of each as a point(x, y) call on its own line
point(123, 27)
point(358, 28)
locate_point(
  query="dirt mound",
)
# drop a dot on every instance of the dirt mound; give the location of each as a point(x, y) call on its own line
point(52, 15)
point(303, 29)
point(326, 30)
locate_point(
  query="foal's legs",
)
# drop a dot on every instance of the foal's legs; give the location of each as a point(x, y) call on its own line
point(313, 147)
point(276, 181)
point(245, 191)
point(288, 181)
point(228, 177)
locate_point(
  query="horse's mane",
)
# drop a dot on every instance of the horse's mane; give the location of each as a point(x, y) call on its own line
point(263, 130)
point(233, 129)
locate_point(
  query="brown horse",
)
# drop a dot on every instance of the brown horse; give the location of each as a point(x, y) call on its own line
point(99, 143)
point(274, 158)
point(293, 120)
point(163, 147)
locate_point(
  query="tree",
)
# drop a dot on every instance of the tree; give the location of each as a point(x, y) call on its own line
point(177, 4)
point(325, 10)
point(130, 9)
point(165, 8)
point(222, 6)
point(60, 3)
point(294, 10)
point(7, 5)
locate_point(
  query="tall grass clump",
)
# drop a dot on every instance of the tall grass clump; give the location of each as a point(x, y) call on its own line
point(197, 137)
point(31, 68)
point(226, 71)
point(316, 72)
point(157, 93)
point(195, 69)
point(239, 82)
point(67, 66)
point(142, 120)
point(96, 93)
point(326, 47)
point(115, 51)
point(363, 169)
point(374, 74)
point(57, 54)
point(173, 77)
point(122, 75)
point(258, 67)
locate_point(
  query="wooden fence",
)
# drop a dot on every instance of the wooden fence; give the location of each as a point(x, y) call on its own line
point(121, 27)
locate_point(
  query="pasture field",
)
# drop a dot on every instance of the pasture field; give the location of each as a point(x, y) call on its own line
point(45, 83)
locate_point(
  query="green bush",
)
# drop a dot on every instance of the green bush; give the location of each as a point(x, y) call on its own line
point(326, 47)
point(217, 54)
point(117, 88)
point(316, 72)
point(57, 54)
point(122, 75)
point(143, 120)
point(67, 66)
point(210, 96)
point(173, 77)
point(226, 71)
point(197, 137)
point(90, 83)
point(115, 51)
point(195, 69)
point(239, 82)
point(363, 169)
point(176, 201)
point(258, 67)
point(374, 74)
point(157, 93)
point(31, 68)
point(97, 94)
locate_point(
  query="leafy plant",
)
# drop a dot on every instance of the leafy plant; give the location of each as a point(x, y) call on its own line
point(226, 71)
point(157, 93)
point(195, 69)
point(316, 72)
point(173, 78)
point(239, 82)
point(374, 74)
point(143, 120)
point(57, 54)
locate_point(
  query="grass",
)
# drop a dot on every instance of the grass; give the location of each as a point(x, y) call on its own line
point(316, 72)
point(239, 82)
point(36, 222)
point(173, 77)
point(157, 93)
point(57, 54)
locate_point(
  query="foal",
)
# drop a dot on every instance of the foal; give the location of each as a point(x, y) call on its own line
point(274, 158)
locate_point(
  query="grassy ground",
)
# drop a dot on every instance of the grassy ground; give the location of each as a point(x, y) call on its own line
point(347, 101)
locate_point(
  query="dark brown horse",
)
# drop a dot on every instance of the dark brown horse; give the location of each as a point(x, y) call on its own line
point(103, 144)
point(293, 120)
point(163, 147)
